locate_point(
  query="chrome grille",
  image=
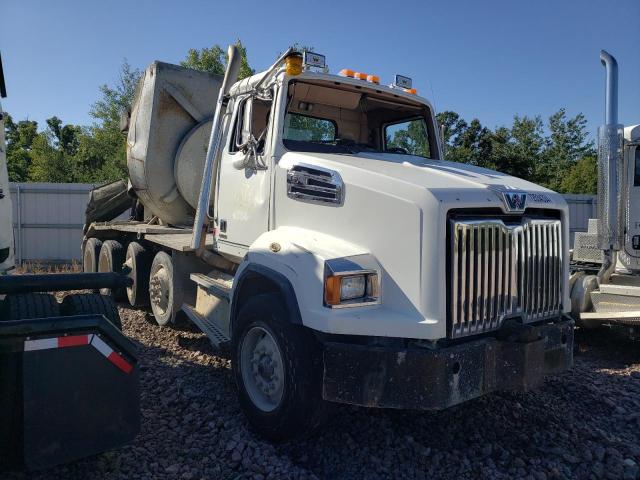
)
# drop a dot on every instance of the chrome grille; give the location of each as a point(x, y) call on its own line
point(500, 270)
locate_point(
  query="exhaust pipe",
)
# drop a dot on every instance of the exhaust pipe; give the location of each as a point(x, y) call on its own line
point(610, 173)
point(202, 218)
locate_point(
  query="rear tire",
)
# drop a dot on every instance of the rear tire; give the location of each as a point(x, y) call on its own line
point(111, 260)
point(91, 303)
point(91, 254)
point(138, 263)
point(278, 370)
point(30, 305)
point(161, 288)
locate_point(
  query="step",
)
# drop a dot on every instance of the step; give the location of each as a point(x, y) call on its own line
point(208, 327)
point(611, 302)
point(215, 282)
point(624, 279)
point(626, 290)
point(630, 317)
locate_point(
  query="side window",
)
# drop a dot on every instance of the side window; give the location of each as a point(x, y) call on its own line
point(252, 120)
point(309, 129)
point(636, 176)
point(408, 137)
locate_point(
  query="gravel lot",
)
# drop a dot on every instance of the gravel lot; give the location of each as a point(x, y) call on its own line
point(583, 424)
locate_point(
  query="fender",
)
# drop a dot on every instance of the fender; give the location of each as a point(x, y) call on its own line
point(283, 285)
point(292, 259)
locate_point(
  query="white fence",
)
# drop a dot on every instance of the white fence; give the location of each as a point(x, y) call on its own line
point(48, 219)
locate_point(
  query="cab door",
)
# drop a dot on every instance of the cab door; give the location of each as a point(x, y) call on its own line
point(632, 230)
point(244, 184)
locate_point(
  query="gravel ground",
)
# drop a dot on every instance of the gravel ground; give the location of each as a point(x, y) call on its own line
point(582, 424)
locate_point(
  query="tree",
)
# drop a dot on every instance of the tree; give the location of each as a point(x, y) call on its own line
point(19, 138)
point(566, 144)
point(581, 177)
point(412, 138)
point(102, 147)
point(214, 60)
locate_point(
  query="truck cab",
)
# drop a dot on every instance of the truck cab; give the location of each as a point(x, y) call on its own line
point(339, 254)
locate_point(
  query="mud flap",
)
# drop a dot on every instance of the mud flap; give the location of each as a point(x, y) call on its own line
point(77, 392)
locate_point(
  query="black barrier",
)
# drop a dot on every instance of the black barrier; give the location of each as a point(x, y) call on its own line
point(69, 388)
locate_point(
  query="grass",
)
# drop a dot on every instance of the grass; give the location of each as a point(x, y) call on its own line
point(48, 267)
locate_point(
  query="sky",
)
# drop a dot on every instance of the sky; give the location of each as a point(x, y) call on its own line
point(489, 59)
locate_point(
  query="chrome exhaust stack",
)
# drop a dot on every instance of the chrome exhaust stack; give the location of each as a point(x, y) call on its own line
point(203, 217)
point(610, 174)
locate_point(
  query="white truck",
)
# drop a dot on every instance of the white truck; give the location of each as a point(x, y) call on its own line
point(310, 220)
point(605, 280)
point(69, 377)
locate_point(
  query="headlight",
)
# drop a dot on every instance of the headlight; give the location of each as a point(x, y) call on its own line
point(352, 289)
point(352, 286)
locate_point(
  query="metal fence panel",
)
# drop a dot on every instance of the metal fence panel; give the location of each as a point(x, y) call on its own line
point(581, 209)
point(48, 218)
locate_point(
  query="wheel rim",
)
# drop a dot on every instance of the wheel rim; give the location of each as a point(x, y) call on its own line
point(128, 264)
point(262, 369)
point(159, 290)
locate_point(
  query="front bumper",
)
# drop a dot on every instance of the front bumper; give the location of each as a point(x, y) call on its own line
point(433, 379)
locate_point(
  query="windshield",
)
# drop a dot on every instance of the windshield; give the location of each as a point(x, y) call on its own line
point(323, 117)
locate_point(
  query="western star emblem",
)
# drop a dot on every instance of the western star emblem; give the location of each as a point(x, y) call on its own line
point(515, 201)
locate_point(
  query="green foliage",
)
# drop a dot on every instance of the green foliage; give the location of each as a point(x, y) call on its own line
point(19, 138)
point(523, 150)
point(582, 177)
point(214, 60)
point(409, 136)
point(302, 127)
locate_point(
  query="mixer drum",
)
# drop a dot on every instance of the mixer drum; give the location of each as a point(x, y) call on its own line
point(172, 113)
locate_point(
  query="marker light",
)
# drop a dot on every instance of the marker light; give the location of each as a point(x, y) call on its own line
point(293, 64)
point(411, 90)
point(312, 59)
point(346, 72)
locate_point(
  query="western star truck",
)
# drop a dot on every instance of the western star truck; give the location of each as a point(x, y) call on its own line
point(309, 220)
point(605, 283)
point(68, 376)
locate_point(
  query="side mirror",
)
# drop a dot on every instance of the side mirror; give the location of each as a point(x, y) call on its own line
point(125, 118)
point(247, 120)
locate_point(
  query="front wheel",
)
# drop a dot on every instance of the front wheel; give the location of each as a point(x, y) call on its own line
point(278, 369)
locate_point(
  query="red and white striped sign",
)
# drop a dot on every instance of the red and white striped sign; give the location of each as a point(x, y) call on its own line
point(78, 340)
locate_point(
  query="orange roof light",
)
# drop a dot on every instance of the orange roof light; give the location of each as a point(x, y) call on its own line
point(411, 90)
point(347, 72)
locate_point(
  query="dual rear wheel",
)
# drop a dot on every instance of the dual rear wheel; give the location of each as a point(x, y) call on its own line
point(152, 276)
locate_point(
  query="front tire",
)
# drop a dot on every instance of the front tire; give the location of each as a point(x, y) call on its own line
point(278, 370)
